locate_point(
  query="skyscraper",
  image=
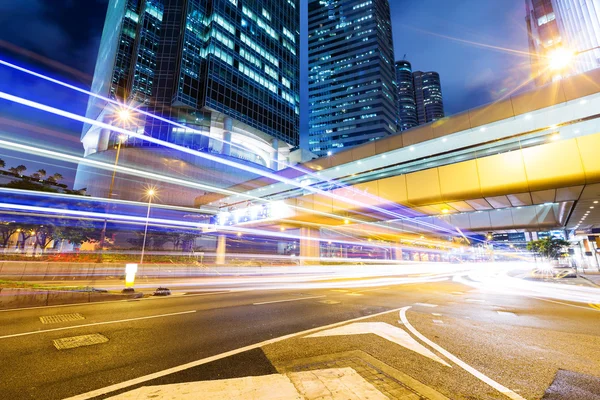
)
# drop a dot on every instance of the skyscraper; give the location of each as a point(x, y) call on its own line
point(428, 96)
point(544, 37)
point(225, 67)
point(569, 28)
point(407, 107)
point(352, 97)
point(226, 71)
point(579, 25)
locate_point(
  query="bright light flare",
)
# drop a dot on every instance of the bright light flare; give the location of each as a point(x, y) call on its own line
point(560, 59)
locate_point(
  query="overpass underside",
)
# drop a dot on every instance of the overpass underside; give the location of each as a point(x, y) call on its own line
point(536, 188)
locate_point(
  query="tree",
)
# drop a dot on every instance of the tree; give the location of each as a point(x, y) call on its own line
point(39, 175)
point(55, 178)
point(44, 235)
point(18, 170)
point(2, 163)
point(7, 230)
point(550, 247)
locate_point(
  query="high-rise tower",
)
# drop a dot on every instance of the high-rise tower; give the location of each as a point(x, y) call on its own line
point(227, 68)
point(226, 71)
point(352, 97)
point(407, 107)
point(579, 25)
point(544, 38)
point(428, 96)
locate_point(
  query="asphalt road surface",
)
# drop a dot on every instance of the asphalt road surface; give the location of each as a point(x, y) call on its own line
point(486, 344)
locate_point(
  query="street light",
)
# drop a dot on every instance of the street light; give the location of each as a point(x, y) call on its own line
point(150, 194)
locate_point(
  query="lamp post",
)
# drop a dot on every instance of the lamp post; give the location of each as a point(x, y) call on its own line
point(124, 116)
point(150, 193)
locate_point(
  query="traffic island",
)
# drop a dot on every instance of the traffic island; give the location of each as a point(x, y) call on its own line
point(22, 295)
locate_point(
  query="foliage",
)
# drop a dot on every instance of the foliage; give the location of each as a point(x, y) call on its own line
point(18, 170)
point(55, 178)
point(549, 247)
point(2, 163)
point(29, 185)
point(39, 175)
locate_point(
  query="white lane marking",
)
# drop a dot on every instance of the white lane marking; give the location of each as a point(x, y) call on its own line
point(93, 303)
point(438, 321)
point(436, 314)
point(385, 331)
point(146, 378)
point(474, 301)
point(565, 304)
point(95, 324)
point(425, 305)
point(502, 389)
point(458, 293)
point(507, 313)
point(284, 301)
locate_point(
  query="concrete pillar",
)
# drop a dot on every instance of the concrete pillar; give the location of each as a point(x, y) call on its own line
point(221, 250)
point(227, 128)
point(275, 155)
point(310, 246)
point(397, 253)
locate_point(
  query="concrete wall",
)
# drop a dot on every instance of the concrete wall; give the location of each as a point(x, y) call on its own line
point(20, 298)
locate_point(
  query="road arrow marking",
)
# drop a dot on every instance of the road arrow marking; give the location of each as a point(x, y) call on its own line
point(386, 331)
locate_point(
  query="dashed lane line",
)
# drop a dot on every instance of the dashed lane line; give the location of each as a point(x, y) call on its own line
point(146, 378)
point(479, 375)
point(95, 324)
point(425, 305)
point(287, 300)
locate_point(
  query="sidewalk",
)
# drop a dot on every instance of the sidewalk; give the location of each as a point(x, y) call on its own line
point(591, 276)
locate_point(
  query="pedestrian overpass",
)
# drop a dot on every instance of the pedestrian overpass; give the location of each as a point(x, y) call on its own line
point(528, 162)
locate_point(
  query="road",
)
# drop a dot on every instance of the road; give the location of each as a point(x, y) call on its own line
point(489, 339)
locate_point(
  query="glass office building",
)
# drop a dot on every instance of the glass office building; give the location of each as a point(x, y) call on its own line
point(407, 107)
point(579, 25)
point(352, 93)
point(226, 68)
point(428, 96)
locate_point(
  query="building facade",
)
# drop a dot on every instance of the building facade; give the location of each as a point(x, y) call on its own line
point(570, 25)
point(227, 70)
point(428, 96)
point(579, 24)
point(544, 38)
point(407, 106)
point(351, 86)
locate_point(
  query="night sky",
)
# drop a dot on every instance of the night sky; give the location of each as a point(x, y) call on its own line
point(453, 38)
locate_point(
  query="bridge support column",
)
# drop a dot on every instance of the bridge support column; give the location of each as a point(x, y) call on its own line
point(221, 250)
point(397, 253)
point(310, 246)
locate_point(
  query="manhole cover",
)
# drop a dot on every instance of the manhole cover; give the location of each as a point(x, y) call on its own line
point(79, 341)
point(55, 319)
